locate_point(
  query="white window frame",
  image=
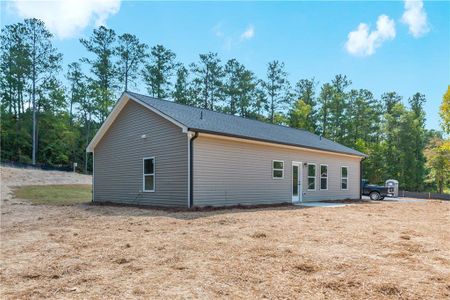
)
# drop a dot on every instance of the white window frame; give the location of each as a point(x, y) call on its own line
point(320, 181)
point(342, 177)
point(315, 176)
point(274, 169)
point(144, 174)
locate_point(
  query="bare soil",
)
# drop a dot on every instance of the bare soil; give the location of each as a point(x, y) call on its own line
point(383, 250)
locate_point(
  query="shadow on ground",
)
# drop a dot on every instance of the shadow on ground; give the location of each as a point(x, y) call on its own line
point(114, 209)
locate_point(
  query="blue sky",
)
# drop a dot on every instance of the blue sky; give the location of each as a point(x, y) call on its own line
point(404, 53)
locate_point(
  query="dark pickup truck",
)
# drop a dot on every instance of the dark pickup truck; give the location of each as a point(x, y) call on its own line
point(375, 192)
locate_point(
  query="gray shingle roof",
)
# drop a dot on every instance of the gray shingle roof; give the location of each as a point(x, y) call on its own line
point(203, 120)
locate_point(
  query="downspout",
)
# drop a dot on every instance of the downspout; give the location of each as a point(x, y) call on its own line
point(361, 177)
point(191, 171)
point(93, 174)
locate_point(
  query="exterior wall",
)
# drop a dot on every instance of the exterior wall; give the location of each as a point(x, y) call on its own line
point(118, 164)
point(229, 172)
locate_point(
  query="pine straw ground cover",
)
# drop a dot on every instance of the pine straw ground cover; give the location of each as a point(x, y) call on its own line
point(386, 250)
point(367, 250)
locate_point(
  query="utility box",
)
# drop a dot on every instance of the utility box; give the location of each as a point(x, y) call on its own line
point(392, 186)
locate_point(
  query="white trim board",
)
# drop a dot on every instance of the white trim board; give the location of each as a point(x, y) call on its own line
point(308, 177)
point(282, 170)
point(348, 171)
point(298, 164)
point(148, 174)
point(320, 177)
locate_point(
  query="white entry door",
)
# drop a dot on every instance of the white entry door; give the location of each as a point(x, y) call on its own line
point(296, 186)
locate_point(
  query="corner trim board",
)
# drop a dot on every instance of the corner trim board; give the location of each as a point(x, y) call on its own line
point(93, 176)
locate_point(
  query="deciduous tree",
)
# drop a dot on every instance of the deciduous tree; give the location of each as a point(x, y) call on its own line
point(299, 115)
point(444, 111)
point(438, 161)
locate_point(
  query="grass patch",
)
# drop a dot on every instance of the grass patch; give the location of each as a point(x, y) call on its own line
point(66, 194)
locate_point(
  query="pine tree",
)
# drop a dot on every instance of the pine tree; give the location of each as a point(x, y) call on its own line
point(305, 90)
point(337, 109)
point(131, 55)
point(247, 92)
point(391, 115)
point(57, 139)
point(277, 89)
point(76, 87)
point(15, 67)
point(418, 133)
point(181, 93)
point(45, 62)
point(208, 81)
point(393, 135)
point(400, 153)
point(391, 130)
point(239, 88)
point(326, 94)
point(158, 73)
point(259, 105)
point(102, 45)
point(390, 100)
point(363, 117)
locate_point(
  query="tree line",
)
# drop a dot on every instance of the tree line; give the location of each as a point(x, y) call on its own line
point(48, 118)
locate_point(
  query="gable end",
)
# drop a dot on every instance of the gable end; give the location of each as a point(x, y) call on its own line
point(115, 112)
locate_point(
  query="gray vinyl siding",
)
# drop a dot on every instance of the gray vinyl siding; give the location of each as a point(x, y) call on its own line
point(228, 172)
point(118, 164)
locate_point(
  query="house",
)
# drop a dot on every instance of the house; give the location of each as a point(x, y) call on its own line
point(160, 153)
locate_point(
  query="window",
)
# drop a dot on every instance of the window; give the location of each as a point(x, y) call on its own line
point(277, 169)
point(149, 174)
point(323, 177)
point(344, 178)
point(311, 177)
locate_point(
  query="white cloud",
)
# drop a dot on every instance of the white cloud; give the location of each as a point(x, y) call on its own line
point(248, 33)
point(66, 18)
point(416, 18)
point(363, 42)
point(232, 40)
point(217, 30)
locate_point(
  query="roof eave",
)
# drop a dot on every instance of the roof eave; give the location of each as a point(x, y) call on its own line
point(275, 142)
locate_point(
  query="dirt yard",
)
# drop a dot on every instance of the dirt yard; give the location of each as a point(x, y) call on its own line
point(366, 250)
